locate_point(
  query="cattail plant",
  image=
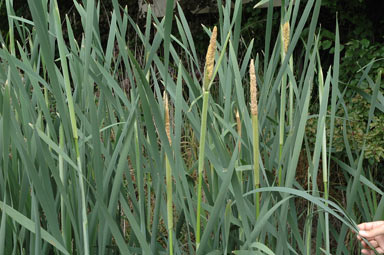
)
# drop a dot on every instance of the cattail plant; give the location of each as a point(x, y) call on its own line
point(285, 43)
point(286, 39)
point(209, 64)
point(255, 129)
point(168, 175)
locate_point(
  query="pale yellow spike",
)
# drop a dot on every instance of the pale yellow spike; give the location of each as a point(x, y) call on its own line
point(253, 88)
point(210, 59)
point(286, 31)
point(167, 122)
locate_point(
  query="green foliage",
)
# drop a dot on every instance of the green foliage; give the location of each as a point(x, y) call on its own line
point(358, 54)
point(353, 120)
point(360, 57)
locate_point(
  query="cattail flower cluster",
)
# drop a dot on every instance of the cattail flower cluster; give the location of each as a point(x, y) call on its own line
point(255, 133)
point(253, 88)
point(210, 59)
point(167, 122)
point(286, 32)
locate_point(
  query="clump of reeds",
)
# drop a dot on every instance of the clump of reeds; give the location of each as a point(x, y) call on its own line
point(255, 129)
point(120, 201)
point(209, 64)
point(75, 137)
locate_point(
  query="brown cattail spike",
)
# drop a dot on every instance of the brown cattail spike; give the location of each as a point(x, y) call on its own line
point(286, 31)
point(167, 122)
point(253, 88)
point(210, 59)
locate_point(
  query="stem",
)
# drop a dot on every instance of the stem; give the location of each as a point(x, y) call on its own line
point(140, 185)
point(169, 203)
point(83, 203)
point(280, 168)
point(256, 175)
point(282, 100)
point(291, 98)
point(240, 173)
point(63, 181)
point(324, 163)
point(282, 120)
point(309, 231)
point(201, 163)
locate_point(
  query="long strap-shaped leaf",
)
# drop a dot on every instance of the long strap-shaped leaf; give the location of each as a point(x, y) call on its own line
point(30, 225)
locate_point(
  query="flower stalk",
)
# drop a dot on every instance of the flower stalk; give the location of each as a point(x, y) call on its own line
point(209, 64)
point(255, 129)
point(285, 44)
point(286, 34)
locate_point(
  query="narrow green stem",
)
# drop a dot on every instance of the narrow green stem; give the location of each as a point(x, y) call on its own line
point(256, 173)
point(308, 231)
point(62, 178)
point(283, 92)
point(140, 185)
point(325, 181)
point(201, 163)
point(168, 176)
point(149, 211)
point(324, 162)
point(83, 202)
point(280, 167)
point(291, 97)
point(282, 121)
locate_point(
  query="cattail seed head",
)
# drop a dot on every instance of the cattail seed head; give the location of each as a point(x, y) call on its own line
point(167, 122)
point(253, 88)
point(286, 31)
point(210, 59)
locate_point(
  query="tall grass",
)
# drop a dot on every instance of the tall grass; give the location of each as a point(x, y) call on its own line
point(84, 158)
point(208, 73)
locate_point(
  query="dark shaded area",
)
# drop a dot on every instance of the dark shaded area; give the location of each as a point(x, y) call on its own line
point(361, 26)
point(358, 19)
